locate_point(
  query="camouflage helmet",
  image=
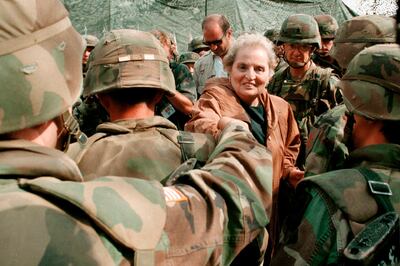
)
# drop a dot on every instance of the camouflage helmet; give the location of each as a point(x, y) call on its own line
point(197, 44)
point(272, 35)
point(188, 57)
point(40, 62)
point(300, 28)
point(361, 32)
point(371, 85)
point(125, 59)
point(327, 26)
point(91, 40)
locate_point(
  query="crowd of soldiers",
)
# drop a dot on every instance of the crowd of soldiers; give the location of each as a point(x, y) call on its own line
point(279, 148)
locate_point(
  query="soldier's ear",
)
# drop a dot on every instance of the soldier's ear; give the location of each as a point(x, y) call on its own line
point(105, 100)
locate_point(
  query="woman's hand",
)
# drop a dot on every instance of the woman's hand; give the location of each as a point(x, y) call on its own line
point(295, 175)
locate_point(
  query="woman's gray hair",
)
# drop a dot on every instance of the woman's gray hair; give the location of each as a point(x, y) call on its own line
point(251, 40)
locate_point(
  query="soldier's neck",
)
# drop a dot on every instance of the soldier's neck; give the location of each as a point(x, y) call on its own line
point(137, 111)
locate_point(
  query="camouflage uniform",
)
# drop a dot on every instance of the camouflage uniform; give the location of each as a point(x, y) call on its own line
point(89, 113)
point(316, 92)
point(343, 199)
point(196, 45)
point(48, 218)
point(328, 27)
point(327, 147)
point(188, 57)
point(160, 151)
point(328, 140)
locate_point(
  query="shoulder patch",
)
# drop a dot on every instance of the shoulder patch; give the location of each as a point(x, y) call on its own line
point(173, 195)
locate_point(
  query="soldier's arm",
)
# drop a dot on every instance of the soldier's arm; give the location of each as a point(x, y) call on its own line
point(223, 206)
point(181, 102)
point(335, 95)
point(308, 236)
point(327, 146)
point(185, 82)
point(207, 216)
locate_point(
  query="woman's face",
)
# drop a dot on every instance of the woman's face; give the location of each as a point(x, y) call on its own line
point(250, 73)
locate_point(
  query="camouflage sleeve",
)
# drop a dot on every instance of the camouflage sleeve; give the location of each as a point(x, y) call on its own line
point(208, 216)
point(184, 82)
point(309, 237)
point(222, 207)
point(335, 96)
point(327, 144)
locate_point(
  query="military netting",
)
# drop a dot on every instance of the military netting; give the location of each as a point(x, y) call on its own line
point(183, 17)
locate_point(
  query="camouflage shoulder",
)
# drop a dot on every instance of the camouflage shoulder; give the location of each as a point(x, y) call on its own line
point(348, 190)
point(326, 148)
point(276, 80)
point(119, 206)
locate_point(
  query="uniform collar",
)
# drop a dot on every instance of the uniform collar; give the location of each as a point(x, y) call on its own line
point(21, 158)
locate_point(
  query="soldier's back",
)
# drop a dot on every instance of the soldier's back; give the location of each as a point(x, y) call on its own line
point(143, 148)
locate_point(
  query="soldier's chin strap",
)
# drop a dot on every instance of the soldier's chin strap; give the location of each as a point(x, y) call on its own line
point(70, 131)
point(296, 66)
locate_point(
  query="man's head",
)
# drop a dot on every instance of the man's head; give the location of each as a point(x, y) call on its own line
point(217, 34)
point(371, 91)
point(166, 42)
point(91, 42)
point(189, 58)
point(360, 32)
point(196, 45)
point(300, 36)
point(40, 62)
point(128, 60)
point(328, 27)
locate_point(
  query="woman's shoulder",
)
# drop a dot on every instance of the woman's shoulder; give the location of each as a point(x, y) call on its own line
point(278, 101)
point(218, 87)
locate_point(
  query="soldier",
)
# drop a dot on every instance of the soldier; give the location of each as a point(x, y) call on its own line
point(196, 45)
point(272, 35)
point(328, 27)
point(121, 96)
point(349, 199)
point(218, 35)
point(360, 32)
point(48, 217)
point(176, 107)
point(328, 145)
point(188, 59)
point(91, 42)
point(309, 89)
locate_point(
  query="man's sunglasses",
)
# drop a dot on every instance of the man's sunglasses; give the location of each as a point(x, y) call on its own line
point(216, 42)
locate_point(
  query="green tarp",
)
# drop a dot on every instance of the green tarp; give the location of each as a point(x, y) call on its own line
point(183, 18)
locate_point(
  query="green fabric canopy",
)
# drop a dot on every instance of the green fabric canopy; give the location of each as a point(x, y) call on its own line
point(183, 18)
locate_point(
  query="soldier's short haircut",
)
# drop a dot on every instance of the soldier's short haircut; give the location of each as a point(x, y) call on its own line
point(220, 19)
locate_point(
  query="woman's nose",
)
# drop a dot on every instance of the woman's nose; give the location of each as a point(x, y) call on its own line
point(250, 74)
